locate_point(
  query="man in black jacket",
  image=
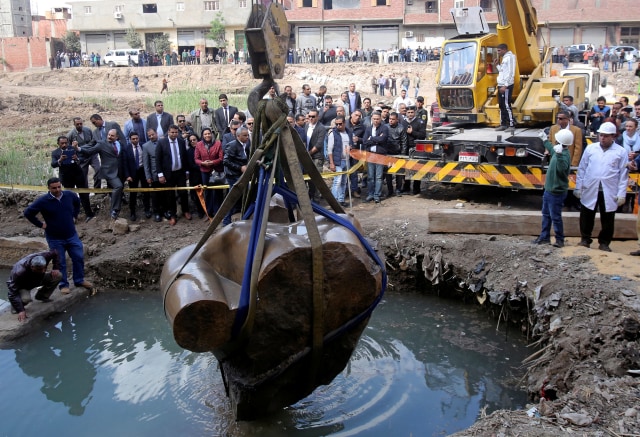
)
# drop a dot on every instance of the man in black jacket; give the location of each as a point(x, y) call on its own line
point(66, 160)
point(375, 141)
point(357, 128)
point(223, 115)
point(395, 145)
point(236, 158)
point(159, 120)
point(82, 135)
point(171, 164)
point(315, 144)
point(416, 130)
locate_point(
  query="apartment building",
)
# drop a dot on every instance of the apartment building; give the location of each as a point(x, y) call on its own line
point(15, 18)
point(103, 24)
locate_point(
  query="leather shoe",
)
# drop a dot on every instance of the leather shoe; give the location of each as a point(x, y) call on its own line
point(635, 253)
point(147, 214)
point(558, 244)
point(501, 128)
point(604, 247)
point(584, 243)
point(114, 214)
point(133, 217)
point(187, 215)
point(158, 218)
point(89, 218)
point(85, 284)
point(172, 221)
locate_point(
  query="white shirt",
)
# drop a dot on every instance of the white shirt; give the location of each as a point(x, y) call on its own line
point(606, 168)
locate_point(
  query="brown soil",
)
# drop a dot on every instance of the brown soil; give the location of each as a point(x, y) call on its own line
point(582, 309)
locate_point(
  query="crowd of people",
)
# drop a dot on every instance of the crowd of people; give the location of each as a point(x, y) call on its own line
point(315, 55)
point(601, 57)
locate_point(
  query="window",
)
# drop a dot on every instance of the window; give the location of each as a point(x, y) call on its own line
point(458, 4)
point(212, 5)
point(118, 8)
point(150, 8)
point(381, 2)
point(431, 7)
point(487, 5)
point(180, 6)
point(420, 37)
point(87, 10)
point(242, 3)
point(307, 3)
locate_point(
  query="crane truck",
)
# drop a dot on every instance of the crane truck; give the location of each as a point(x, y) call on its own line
point(468, 149)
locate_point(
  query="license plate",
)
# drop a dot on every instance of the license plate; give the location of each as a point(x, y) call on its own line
point(468, 157)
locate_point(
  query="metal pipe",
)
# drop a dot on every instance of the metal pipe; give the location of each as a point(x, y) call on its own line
point(502, 13)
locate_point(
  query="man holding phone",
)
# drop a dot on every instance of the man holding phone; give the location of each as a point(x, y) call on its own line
point(66, 160)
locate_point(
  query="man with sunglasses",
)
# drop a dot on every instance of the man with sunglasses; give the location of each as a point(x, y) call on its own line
point(563, 122)
point(316, 133)
point(339, 143)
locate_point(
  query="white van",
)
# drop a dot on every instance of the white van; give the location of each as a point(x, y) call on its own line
point(121, 57)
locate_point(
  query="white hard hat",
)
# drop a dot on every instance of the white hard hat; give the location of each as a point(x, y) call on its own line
point(608, 128)
point(564, 137)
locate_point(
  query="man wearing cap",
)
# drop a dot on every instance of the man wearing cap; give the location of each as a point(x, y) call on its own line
point(31, 272)
point(601, 184)
point(556, 185)
point(421, 112)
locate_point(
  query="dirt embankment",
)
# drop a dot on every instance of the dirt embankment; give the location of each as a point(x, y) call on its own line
point(583, 304)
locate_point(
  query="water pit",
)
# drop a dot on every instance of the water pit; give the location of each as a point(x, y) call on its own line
point(424, 366)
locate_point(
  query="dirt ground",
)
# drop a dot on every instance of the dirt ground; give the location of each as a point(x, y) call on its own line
point(579, 307)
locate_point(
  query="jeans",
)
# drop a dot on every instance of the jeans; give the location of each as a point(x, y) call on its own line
point(374, 183)
point(552, 213)
point(340, 182)
point(72, 246)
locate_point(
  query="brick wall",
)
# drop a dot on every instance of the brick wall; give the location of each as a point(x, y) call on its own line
point(366, 14)
point(22, 53)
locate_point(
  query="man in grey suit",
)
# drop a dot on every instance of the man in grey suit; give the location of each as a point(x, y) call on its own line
point(160, 120)
point(110, 152)
point(102, 129)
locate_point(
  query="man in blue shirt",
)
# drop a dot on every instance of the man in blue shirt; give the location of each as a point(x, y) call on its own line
point(60, 212)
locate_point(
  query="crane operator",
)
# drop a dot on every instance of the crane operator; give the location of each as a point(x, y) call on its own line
point(506, 65)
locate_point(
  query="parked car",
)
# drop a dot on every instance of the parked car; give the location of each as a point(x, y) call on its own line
point(121, 57)
point(575, 54)
point(627, 49)
point(582, 46)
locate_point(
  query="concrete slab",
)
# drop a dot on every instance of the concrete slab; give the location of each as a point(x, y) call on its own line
point(37, 312)
point(505, 222)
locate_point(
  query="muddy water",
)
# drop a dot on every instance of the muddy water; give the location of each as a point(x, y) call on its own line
point(110, 367)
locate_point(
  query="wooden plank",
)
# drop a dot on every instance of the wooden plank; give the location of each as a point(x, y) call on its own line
point(501, 222)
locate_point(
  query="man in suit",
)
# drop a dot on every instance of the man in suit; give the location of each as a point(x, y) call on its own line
point(159, 120)
point(134, 174)
point(171, 164)
point(236, 158)
point(355, 101)
point(102, 129)
point(575, 149)
point(151, 171)
point(223, 115)
point(110, 152)
point(82, 135)
point(315, 144)
point(231, 135)
point(65, 159)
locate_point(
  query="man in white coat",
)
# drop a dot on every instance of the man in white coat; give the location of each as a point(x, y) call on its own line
point(601, 184)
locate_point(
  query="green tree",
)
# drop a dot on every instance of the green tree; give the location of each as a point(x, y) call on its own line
point(162, 43)
point(217, 31)
point(71, 42)
point(133, 38)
